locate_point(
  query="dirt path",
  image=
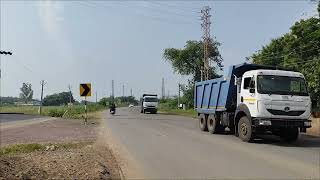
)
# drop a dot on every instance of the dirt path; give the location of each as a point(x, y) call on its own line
point(90, 159)
point(53, 131)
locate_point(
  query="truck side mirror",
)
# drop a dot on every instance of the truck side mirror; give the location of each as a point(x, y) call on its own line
point(252, 90)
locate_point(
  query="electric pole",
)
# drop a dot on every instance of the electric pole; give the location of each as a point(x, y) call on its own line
point(70, 94)
point(42, 83)
point(122, 90)
point(179, 85)
point(163, 90)
point(5, 53)
point(205, 72)
point(131, 92)
point(96, 96)
point(112, 90)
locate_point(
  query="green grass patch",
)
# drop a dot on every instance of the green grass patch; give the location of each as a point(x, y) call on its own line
point(72, 112)
point(189, 112)
point(28, 148)
point(20, 148)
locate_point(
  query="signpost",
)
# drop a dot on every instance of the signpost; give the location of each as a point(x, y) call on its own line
point(85, 90)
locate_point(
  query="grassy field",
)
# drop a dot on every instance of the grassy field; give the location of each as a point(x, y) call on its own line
point(73, 112)
point(181, 112)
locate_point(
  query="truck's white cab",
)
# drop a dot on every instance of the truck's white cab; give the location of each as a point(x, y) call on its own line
point(149, 103)
point(275, 94)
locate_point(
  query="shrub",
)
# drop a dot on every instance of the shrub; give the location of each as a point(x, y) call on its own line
point(56, 112)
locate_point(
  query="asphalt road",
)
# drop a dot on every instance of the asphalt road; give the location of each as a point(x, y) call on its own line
point(16, 117)
point(167, 146)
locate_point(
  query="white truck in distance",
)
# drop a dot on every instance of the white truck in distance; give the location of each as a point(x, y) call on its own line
point(149, 103)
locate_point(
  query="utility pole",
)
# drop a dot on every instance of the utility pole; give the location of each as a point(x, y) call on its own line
point(168, 94)
point(70, 94)
point(112, 90)
point(96, 96)
point(205, 72)
point(131, 92)
point(42, 83)
point(179, 85)
point(5, 53)
point(123, 90)
point(163, 92)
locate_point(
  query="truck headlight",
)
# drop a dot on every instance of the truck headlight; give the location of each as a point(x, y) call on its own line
point(264, 122)
point(307, 124)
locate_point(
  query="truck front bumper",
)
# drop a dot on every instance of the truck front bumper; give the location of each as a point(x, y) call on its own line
point(266, 124)
point(302, 123)
point(150, 109)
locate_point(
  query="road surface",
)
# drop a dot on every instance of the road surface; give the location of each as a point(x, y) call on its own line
point(167, 146)
point(17, 117)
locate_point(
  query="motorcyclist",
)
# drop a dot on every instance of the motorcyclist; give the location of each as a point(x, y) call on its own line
point(113, 107)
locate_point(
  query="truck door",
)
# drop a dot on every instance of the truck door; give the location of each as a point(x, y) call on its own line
point(248, 93)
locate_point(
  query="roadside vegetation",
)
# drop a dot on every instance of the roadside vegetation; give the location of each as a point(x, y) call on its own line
point(28, 148)
point(72, 112)
point(170, 106)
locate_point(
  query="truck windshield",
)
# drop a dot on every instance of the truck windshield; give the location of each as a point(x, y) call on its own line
point(284, 85)
point(148, 99)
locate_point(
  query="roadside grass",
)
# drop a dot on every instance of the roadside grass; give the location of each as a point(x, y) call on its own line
point(28, 148)
point(171, 111)
point(315, 129)
point(72, 112)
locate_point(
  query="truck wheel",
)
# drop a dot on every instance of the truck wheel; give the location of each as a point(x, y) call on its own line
point(289, 134)
point(213, 125)
point(203, 122)
point(245, 129)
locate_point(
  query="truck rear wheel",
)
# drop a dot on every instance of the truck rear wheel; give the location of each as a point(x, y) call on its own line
point(203, 122)
point(289, 134)
point(213, 125)
point(245, 129)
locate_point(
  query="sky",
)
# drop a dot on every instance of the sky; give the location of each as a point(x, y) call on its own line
point(73, 42)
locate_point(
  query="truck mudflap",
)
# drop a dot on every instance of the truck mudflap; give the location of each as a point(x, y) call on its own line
point(275, 123)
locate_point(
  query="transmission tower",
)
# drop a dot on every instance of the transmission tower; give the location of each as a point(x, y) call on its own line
point(205, 72)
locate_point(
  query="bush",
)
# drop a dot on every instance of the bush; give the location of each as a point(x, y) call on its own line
point(56, 112)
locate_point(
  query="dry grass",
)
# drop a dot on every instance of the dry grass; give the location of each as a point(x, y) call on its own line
point(315, 130)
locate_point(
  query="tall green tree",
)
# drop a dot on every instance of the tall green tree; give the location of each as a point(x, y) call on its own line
point(189, 60)
point(26, 92)
point(58, 99)
point(297, 50)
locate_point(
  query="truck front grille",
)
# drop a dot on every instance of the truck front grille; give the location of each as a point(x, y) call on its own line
point(284, 113)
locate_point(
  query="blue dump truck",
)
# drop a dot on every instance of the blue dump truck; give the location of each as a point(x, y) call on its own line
point(254, 99)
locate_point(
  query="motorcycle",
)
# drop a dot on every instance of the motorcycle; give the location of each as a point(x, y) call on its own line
point(112, 111)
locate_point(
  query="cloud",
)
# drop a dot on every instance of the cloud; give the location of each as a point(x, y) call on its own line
point(51, 16)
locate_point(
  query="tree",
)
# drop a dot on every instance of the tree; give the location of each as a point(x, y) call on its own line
point(189, 60)
point(26, 92)
point(58, 99)
point(298, 50)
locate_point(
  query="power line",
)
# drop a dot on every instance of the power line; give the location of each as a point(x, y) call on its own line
point(159, 19)
point(181, 8)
